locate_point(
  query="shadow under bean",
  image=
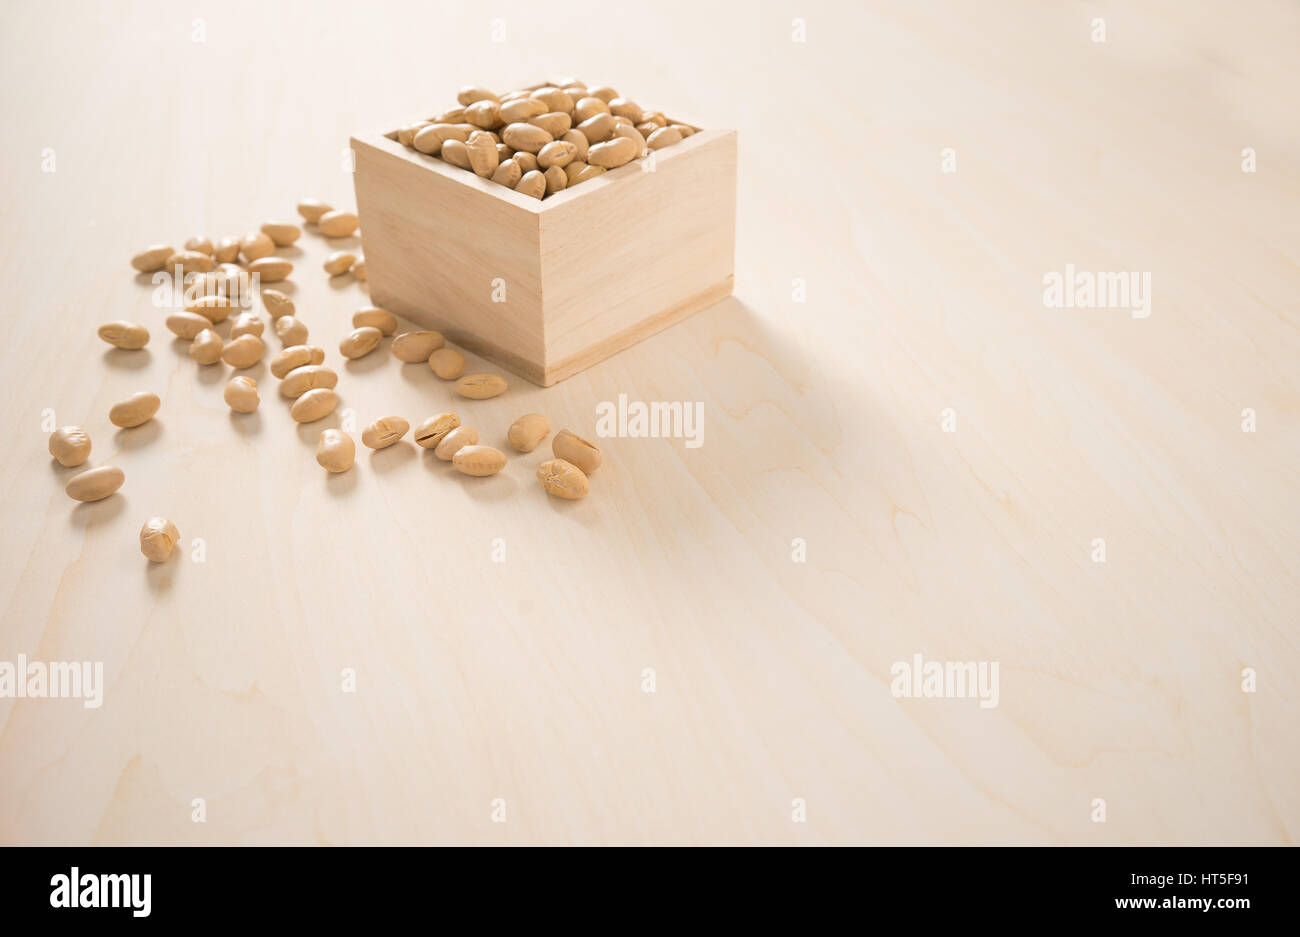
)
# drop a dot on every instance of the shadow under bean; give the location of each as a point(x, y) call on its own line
point(91, 513)
point(125, 360)
point(341, 484)
point(137, 437)
point(393, 457)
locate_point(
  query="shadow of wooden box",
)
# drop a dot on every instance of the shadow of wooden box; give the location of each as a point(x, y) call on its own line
point(584, 273)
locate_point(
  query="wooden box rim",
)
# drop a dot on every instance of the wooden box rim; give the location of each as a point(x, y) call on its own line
point(387, 142)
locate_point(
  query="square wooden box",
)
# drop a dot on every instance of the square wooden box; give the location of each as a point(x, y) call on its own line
point(584, 273)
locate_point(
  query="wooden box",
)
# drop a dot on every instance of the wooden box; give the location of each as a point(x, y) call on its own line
point(548, 287)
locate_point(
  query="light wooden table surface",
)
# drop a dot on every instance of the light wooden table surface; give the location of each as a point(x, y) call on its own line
point(524, 680)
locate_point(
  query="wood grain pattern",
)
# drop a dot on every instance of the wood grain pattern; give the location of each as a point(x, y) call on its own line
point(522, 680)
point(639, 251)
point(437, 237)
point(549, 287)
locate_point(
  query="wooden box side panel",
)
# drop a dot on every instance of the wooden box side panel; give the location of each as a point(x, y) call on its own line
point(638, 253)
point(438, 250)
